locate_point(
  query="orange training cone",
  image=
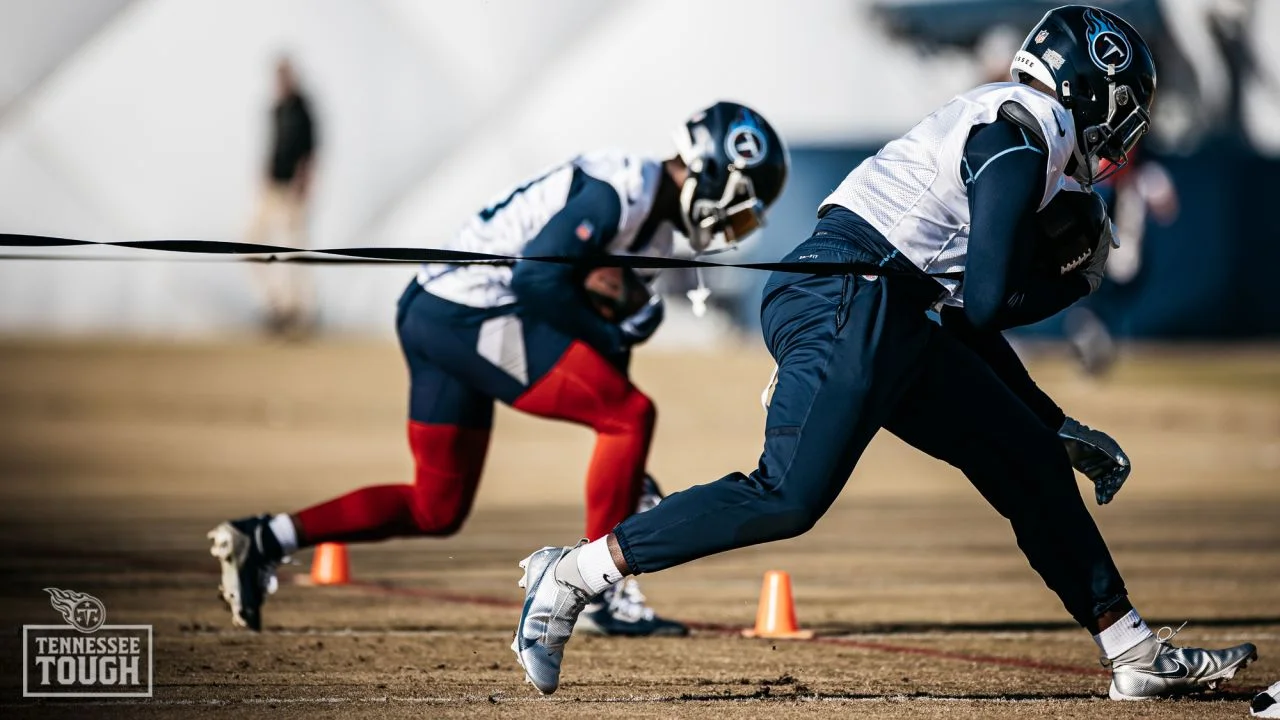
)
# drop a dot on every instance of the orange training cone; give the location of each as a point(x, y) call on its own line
point(330, 565)
point(776, 616)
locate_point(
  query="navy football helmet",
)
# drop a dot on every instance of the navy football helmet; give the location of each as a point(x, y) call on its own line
point(1102, 72)
point(737, 166)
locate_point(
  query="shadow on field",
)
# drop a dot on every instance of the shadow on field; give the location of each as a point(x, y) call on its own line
point(837, 629)
point(800, 692)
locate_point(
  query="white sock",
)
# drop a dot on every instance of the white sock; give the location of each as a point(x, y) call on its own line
point(595, 563)
point(1123, 635)
point(282, 527)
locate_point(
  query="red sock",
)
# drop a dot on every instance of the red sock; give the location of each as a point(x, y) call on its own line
point(585, 388)
point(447, 462)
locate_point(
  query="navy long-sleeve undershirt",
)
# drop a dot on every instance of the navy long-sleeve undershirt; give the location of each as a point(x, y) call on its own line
point(549, 291)
point(1004, 168)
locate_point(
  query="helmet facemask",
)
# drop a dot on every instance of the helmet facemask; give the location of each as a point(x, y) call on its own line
point(1114, 138)
point(717, 224)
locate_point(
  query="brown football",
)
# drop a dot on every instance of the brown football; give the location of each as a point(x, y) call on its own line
point(615, 292)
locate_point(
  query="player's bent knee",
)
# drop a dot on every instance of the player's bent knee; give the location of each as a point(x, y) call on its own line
point(781, 522)
point(439, 519)
point(442, 500)
point(642, 410)
point(446, 527)
point(634, 414)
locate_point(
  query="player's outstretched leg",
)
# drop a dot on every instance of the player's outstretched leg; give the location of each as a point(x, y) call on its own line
point(1154, 668)
point(846, 348)
point(248, 552)
point(448, 432)
point(447, 465)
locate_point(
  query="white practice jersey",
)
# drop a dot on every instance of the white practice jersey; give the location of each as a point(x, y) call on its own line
point(516, 217)
point(913, 191)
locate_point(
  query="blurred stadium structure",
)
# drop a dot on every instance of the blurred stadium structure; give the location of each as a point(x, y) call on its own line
point(133, 119)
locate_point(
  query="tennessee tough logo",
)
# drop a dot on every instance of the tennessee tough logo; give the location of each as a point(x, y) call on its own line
point(82, 611)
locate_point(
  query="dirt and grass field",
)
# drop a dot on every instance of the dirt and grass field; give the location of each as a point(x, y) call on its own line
point(115, 459)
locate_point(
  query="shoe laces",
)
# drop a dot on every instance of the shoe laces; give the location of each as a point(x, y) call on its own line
point(1164, 639)
point(1163, 636)
point(628, 603)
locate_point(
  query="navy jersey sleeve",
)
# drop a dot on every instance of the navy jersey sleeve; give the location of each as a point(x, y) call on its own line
point(549, 291)
point(1004, 170)
point(991, 346)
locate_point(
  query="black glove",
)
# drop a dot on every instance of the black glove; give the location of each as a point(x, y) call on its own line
point(1097, 263)
point(1095, 454)
point(641, 325)
point(1072, 224)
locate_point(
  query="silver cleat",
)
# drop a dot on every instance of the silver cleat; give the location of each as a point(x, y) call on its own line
point(1155, 668)
point(550, 610)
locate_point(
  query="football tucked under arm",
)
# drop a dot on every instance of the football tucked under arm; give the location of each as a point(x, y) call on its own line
point(1070, 230)
point(616, 293)
point(1002, 288)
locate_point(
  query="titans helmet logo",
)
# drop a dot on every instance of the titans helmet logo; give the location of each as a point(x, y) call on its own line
point(1108, 47)
point(83, 612)
point(745, 145)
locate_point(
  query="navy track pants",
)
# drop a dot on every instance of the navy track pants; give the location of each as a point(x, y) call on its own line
point(855, 354)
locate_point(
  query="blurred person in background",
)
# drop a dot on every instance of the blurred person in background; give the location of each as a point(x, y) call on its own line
point(281, 214)
point(983, 210)
point(1220, 41)
point(549, 339)
point(1139, 192)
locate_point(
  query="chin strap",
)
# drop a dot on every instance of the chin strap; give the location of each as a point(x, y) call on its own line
point(699, 295)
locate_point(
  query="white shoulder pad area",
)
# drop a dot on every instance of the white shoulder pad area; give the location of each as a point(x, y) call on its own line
point(1057, 127)
point(634, 177)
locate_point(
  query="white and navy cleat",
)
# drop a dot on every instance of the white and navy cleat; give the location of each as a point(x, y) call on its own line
point(623, 611)
point(1155, 668)
point(1267, 703)
point(248, 575)
point(546, 622)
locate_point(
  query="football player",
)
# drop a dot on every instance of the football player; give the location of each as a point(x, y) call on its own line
point(950, 211)
point(529, 335)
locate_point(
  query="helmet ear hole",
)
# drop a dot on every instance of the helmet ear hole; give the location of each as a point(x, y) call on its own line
point(1084, 89)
